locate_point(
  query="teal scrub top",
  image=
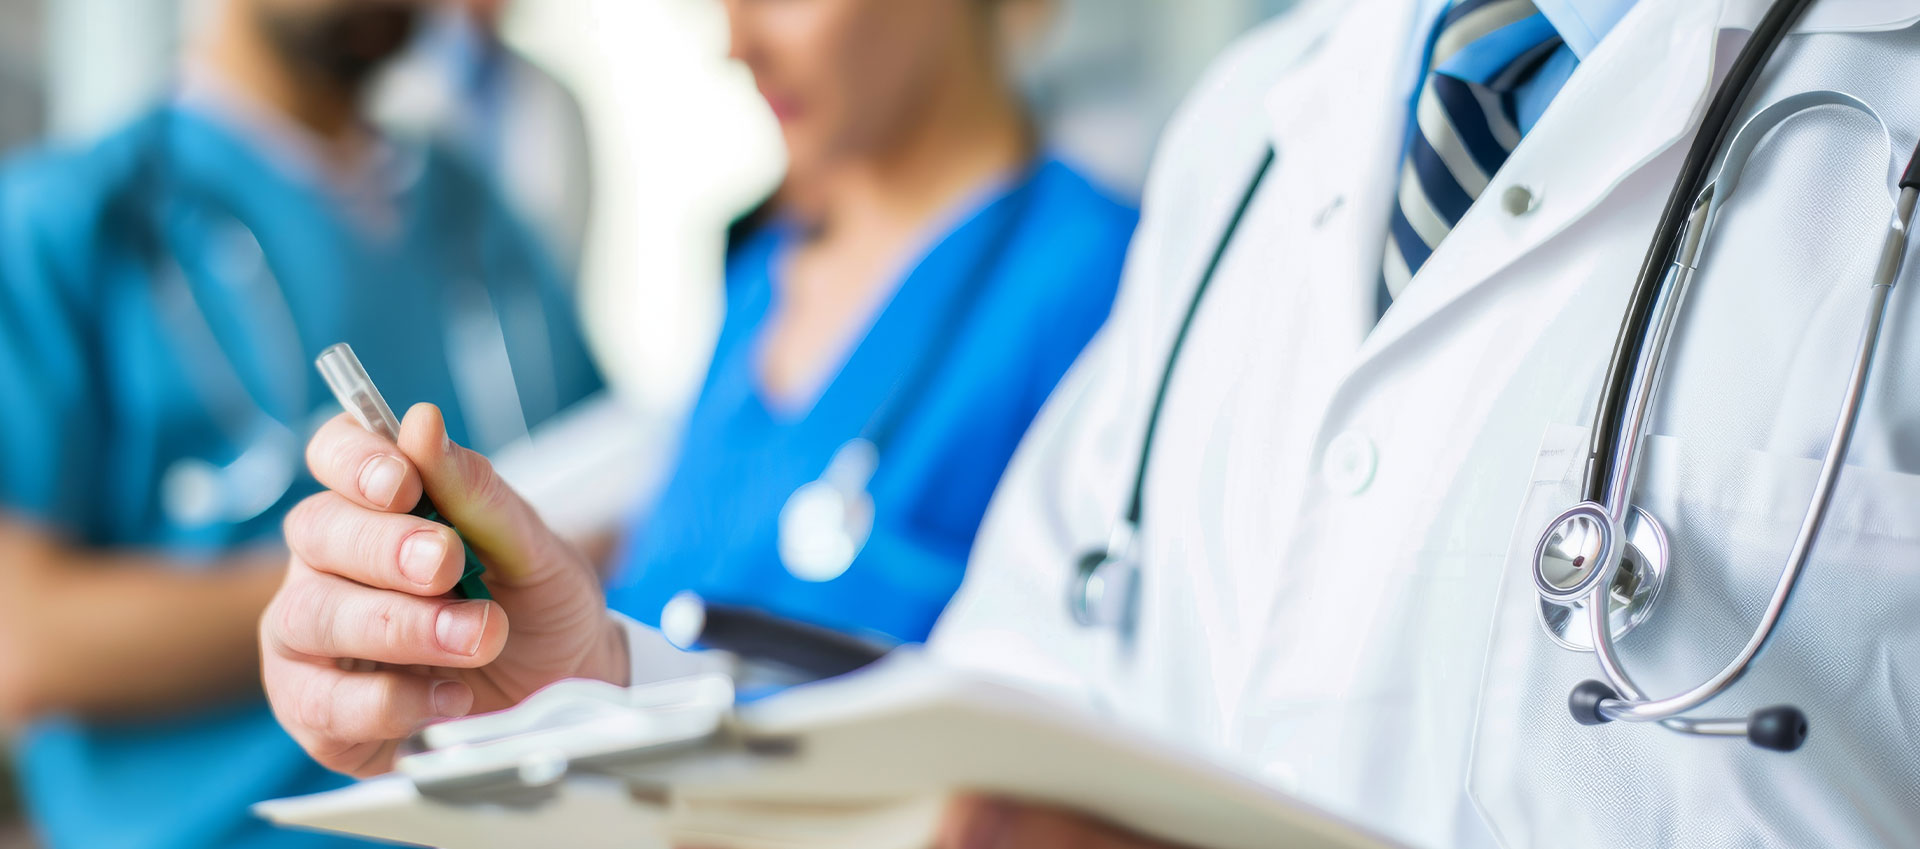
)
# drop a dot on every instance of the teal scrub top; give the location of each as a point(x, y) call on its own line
point(102, 397)
point(1046, 252)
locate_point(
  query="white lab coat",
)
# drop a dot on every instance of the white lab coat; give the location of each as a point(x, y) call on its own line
point(1340, 517)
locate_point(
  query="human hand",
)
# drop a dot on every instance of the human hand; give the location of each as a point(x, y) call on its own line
point(976, 823)
point(363, 646)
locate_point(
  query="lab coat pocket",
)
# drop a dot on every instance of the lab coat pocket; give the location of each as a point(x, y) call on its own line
point(1847, 652)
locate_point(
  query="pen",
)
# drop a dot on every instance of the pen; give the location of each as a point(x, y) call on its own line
point(355, 390)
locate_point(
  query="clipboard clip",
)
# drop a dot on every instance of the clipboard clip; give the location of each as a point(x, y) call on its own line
point(518, 757)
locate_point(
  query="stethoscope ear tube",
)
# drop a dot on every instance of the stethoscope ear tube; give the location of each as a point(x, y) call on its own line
point(1694, 173)
point(1780, 728)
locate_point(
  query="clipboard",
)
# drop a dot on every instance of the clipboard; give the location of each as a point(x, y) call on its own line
point(863, 761)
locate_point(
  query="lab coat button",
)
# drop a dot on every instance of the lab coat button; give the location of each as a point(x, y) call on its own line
point(1349, 462)
point(1519, 200)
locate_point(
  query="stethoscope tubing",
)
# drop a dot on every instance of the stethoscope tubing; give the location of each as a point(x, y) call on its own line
point(1636, 707)
point(269, 447)
point(846, 480)
point(1136, 498)
point(1089, 577)
point(1694, 171)
point(1631, 379)
point(1649, 369)
point(213, 373)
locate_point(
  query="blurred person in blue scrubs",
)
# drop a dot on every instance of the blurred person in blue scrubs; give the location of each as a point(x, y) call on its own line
point(928, 273)
point(162, 296)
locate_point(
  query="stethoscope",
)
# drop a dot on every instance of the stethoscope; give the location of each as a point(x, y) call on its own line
point(1607, 554)
point(1104, 589)
point(826, 522)
point(196, 492)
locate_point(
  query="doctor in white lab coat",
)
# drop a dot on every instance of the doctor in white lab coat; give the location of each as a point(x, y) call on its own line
point(1340, 514)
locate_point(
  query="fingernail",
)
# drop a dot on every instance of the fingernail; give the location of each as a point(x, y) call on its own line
point(460, 626)
point(380, 479)
point(421, 556)
point(451, 698)
point(987, 828)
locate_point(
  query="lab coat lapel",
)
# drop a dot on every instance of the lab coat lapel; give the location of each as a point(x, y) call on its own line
point(1635, 96)
point(1336, 121)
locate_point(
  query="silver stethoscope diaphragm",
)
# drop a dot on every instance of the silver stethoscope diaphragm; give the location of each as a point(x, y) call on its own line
point(1106, 584)
point(1568, 558)
point(826, 522)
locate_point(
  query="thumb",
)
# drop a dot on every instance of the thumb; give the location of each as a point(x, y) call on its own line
point(502, 528)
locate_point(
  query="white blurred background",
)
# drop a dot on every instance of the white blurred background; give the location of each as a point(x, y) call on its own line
point(681, 143)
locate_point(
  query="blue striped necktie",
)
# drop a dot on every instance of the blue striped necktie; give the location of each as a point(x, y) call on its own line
point(1464, 123)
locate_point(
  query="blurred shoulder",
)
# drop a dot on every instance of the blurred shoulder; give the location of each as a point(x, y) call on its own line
point(59, 203)
point(752, 244)
point(1076, 219)
point(1075, 245)
point(1224, 122)
point(1070, 191)
point(55, 182)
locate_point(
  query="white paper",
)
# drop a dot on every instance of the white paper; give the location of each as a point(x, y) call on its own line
point(866, 762)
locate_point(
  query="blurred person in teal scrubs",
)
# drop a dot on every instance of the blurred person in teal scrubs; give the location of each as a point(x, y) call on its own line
point(462, 84)
point(928, 273)
point(162, 296)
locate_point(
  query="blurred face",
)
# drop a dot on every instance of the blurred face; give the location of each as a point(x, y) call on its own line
point(340, 41)
point(487, 12)
point(846, 78)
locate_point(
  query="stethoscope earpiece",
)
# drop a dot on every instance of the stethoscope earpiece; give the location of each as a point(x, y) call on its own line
point(1584, 702)
point(1782, 728)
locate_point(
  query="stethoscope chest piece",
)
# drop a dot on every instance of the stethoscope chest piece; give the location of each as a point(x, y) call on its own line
point(826, 523)
point(1106, 582)
point(1567, 563)
point(196, 493)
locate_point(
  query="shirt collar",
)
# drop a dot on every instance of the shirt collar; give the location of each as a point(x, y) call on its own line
point(1582, 23)
point(370, 189)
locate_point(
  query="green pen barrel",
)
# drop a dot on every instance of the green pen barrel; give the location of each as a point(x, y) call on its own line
point(472, 584)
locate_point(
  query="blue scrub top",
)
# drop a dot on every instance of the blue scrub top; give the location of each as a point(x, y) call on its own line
point(100, 404)
point(713, 530)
